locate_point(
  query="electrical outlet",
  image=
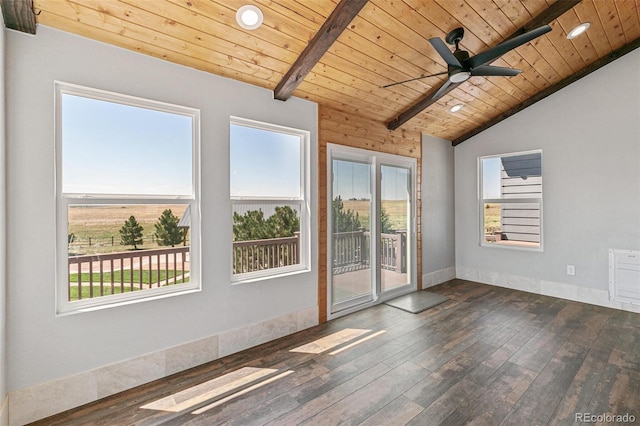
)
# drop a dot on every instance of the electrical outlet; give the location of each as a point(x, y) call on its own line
point(571, 270)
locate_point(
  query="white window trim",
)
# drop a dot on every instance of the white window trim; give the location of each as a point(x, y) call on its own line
point(63, 200)
point(482, 201)
point(302, 202)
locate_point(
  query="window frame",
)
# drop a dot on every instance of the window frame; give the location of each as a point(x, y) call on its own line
point(534, 200)
point(64, 200)
point(302, 202)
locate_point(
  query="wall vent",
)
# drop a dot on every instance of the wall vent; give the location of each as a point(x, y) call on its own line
point(624, 276)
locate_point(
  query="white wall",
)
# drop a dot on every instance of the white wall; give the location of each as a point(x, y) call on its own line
point(438, 229)
point(589, 133)
point(43, 346)
point(3, 235)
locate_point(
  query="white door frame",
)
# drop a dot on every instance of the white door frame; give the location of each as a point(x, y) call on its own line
point(375, 159)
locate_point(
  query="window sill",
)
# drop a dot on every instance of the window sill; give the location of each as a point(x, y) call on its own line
point(72, 308)
point(253, 277)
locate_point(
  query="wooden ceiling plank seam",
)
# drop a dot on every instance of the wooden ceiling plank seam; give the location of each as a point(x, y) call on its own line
point(205, 25)
point(347, 88)
point(19, 15)
point(145, 19)
point(226, 16)
point(549, 91)
point(406, 39)
point(328, 33)
point(353, 102)
point(129, 29)
point(582, 44)
point(539, 63)
point(65, 24)
point(360, 47)
point(303, 12)
point(596, 34)
point(611, 23)
point(513, 9)
point(564, 47)
point(280, 25)
point(498, 20)
point(396, 57)
point(630, 22)
point(546, 48)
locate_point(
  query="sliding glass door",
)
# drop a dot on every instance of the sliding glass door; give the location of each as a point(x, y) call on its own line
point(395, 226)
point(371, 224)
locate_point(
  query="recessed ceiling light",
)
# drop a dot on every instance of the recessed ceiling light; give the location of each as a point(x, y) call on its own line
point(578, 30)
point(456, 108)
point(249, 17)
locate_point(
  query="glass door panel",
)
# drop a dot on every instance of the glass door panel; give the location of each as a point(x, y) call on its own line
point(351, 273)
point(395, 227)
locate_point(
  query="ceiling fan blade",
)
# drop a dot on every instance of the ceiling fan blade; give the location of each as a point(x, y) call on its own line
point(413, 79)
point(488, 70)
point(444, 51)
point(441, 91)
point(494, 53)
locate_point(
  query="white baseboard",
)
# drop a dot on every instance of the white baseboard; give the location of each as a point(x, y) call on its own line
point(547, 288)
point(46, 399)
point(438, 277)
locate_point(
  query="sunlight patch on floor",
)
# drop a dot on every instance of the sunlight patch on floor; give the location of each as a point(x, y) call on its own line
point(357, 342)
point(331, 341)
point(218, 387)
point(242, 392)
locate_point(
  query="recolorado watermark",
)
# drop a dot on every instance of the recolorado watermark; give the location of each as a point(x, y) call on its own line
point(604, 418)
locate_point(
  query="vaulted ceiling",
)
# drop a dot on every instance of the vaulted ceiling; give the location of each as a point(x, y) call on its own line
point(387, 41)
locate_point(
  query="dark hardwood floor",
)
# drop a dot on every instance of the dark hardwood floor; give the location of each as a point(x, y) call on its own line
point(489, 356)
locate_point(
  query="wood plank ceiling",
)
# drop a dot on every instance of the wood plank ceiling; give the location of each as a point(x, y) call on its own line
point(385, 42)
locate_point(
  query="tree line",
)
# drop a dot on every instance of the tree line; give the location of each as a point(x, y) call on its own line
point(167, 232)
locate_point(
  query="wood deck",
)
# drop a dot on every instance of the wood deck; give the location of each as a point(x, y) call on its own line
point(488, 355)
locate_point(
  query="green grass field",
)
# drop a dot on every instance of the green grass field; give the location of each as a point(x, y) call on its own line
point(126, 274)
point(395, 209)
point(102, 225)
point(146, 278)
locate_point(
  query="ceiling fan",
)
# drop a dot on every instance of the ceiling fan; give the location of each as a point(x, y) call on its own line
point(460, 66)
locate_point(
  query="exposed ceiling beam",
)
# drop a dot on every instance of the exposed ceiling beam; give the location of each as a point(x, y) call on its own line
point(552, 89)
point(329, 32)
point(18, 15)
point(418, 107)
point(546, 17)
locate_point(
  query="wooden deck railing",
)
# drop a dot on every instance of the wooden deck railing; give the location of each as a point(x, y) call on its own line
point(351, 251)
point(257, 255)
point(104, 274)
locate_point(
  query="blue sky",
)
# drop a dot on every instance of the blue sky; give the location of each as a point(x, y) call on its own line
point(264, 163)
point(491, 177)
point(110, 148)
point(352, 180)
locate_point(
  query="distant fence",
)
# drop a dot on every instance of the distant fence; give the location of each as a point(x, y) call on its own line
point(104, 274)
point(351, 251)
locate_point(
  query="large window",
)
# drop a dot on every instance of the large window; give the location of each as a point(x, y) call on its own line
point(127, 198)
point(269, 197)
point(511, 200)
